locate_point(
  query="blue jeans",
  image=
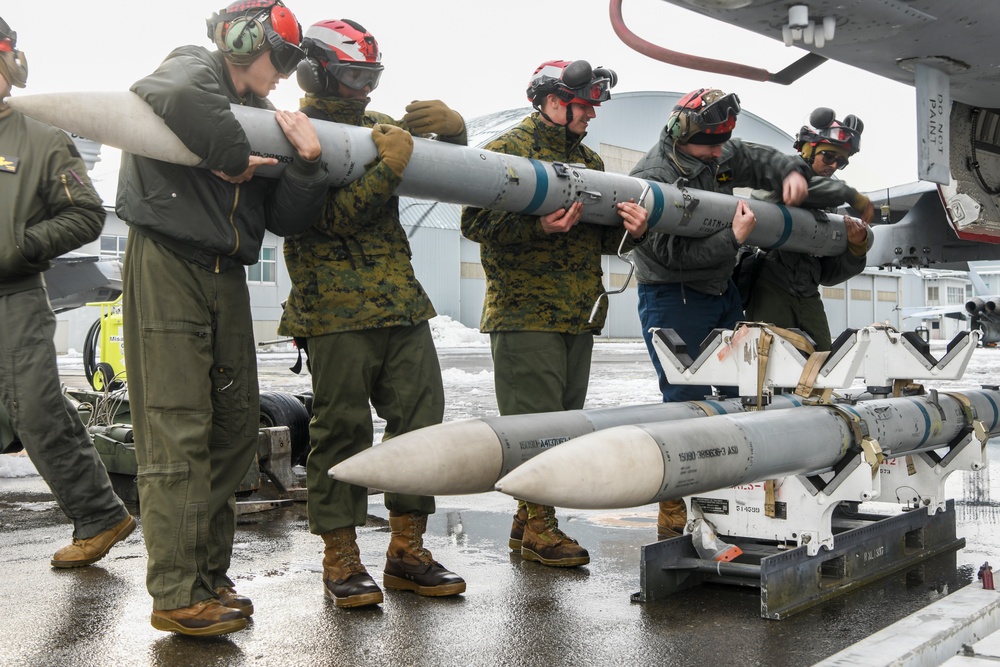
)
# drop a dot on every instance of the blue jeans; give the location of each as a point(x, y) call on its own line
point(693, 315)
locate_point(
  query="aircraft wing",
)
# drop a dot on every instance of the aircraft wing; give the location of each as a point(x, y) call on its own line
point(956, 312)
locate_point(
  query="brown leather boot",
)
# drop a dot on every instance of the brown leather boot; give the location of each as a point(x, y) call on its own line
point(345, 579)
point(671, 519)
point(409, 566)
point(544, 543)
point(207, 618)
point(93, 549)
point(517, 528)
point(228, 597)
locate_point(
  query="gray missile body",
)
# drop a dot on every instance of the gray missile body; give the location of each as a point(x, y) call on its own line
point(629, 466)
point(469, 456)
point(449, 173)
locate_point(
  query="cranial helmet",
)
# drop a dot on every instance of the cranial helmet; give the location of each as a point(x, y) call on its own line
point(573, 82)
point(13, 64)
point(704, 116)
point(339, 52)
point(245, 29)
point(826, 129)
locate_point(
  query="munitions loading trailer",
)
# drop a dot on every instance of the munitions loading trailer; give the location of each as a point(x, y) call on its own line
point(802, 537)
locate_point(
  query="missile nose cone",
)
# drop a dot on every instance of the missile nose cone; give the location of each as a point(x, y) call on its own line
point(615, 468)
point(446, 459)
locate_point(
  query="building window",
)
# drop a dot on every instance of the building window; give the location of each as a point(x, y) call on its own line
point(113, 247)
point(265, 270)
point(932, 296)
point(956, 295)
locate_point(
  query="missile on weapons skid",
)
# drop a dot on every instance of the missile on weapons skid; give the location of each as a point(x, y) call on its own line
point(449, 173)
point(629, 466)
point(469, 456)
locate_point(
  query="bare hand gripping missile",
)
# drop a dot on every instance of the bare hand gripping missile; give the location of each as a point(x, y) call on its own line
point(449, 173)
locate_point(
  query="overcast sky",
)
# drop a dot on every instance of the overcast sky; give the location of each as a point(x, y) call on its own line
point(478, 55)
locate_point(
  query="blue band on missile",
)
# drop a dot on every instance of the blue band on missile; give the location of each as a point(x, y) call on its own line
point(541, 187)
point(787, 232)
point(927, 421)
point(720, 409)
point(996, 413)
point(658, 201)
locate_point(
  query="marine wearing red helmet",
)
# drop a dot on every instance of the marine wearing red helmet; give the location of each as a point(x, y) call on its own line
point(245, 29)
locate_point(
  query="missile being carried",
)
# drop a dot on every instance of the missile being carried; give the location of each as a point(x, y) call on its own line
point(449, 173)
point(629, 466)
point(469, 456)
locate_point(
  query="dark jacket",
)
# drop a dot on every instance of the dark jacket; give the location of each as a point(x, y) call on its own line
point(537, 281)
point(800, 274)
point(200, 217)
point(48, 205)
point(704, 264)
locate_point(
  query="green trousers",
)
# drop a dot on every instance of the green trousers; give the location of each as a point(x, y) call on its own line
point(396, 371)
point(192, 380)
point(47, 424)
point(775, 306)
point(540, 371)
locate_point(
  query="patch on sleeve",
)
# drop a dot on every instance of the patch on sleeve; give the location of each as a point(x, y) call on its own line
point(9, 164)
point(73, 150)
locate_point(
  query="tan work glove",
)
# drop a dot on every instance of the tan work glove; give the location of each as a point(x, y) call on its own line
point(864, 206)
point(433, 116)
point(395, 146)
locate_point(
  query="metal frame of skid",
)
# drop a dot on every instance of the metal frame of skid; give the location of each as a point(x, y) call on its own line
point(790, 580)
point(800, 547)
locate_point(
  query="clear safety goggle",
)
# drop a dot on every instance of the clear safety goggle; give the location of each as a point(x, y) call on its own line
point(357, 76)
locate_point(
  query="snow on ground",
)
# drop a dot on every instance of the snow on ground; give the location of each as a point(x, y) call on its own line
point(621, 375)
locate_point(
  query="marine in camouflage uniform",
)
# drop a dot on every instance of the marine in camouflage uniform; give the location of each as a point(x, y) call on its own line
point(543, 276)
point(786, 292)
point(684, 282)
point(48, 207)
point(362, 315)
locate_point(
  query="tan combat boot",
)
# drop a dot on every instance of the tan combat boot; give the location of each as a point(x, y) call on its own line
point(207, 618)
point(345, 579)
point(409, 566)
point(545, 543)
point(671, 519)
point(517, 528)
point(93, 549)
point(228, 597)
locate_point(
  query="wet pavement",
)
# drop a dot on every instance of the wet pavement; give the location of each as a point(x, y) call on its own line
point(514, 612)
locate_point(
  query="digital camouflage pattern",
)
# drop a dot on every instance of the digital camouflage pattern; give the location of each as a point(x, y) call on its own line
point(537, 281)
point(352, 270)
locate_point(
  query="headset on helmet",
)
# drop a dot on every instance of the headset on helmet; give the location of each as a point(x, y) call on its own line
point(340, 51)
point(704, 116)
point(245, 29)
point(573, 82)
point(13, 62)
point(826, 129)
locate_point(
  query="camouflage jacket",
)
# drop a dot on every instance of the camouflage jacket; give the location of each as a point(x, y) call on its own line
point(352, 270)
point(704, 264)
point(800, 274)
point(537, 281)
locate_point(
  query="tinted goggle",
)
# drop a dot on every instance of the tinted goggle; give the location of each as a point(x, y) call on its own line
point(595, 92)
point(831, 158)
point(357, 76)
point(718, 112)
point(284, 55)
